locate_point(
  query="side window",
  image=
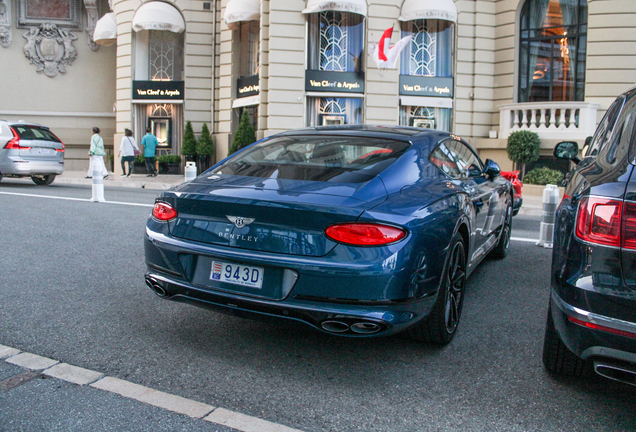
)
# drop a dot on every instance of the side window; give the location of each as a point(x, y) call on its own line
point(468, 162)
point(444, 159)
point(604, 130)
point(623, 132)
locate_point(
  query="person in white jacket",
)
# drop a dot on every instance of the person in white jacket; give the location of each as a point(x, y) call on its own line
point(127, 151)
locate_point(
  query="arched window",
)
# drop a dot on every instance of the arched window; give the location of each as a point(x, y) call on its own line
point(552, 50)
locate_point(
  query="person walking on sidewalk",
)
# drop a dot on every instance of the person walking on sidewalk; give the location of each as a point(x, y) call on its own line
point(96, 154)
point(127, 151)
point(149, 141)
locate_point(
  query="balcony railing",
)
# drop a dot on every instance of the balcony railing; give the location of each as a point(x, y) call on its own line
point(551, 120)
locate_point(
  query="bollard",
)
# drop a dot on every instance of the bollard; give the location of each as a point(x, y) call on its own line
point(190, 171)
point(98, 187)
point(550, 203)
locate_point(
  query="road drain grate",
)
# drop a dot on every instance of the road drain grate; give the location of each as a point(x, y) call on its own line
point(17, 380)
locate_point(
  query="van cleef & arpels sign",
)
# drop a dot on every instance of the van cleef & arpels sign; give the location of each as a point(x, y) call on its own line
point(158, 90)
point(426, 86)
point(335, 82)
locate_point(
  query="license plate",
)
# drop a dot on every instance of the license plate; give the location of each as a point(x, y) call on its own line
point(43, 151)
point(237, 274)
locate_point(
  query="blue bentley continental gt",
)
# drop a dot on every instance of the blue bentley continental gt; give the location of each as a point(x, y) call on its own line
point(353, 230)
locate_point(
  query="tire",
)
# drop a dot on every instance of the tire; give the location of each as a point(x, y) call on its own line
point(557, 358)
point(441, 324)
point(43, 180)
point(501, 250)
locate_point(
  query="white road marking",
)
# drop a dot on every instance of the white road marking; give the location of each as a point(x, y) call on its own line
point(521, 239)
point(167, 401)
point(76, 199)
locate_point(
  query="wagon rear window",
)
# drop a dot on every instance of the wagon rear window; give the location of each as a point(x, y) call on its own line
point(316, 158)
point(34, 133)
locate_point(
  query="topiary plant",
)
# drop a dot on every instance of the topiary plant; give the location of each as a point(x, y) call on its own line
point(205, 144)
point(523, 147)
point(544, 176)
point(245, 134)
point(189, 144)
point(205, 148)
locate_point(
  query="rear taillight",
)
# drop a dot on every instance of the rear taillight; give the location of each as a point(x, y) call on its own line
point(14, 143)
point(365, 234)
point(163, 211)
point(62, 149)
point(607, 222)
point(599, 221)
point(629, 226)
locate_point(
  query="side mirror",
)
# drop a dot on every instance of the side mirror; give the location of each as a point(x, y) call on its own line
point(568, 150)
point(491, 169)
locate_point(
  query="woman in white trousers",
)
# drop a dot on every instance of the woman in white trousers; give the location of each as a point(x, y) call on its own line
point(97, 153)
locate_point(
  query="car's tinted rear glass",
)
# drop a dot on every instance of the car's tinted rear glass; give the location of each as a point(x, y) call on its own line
point(26, 132)
point(316, 158)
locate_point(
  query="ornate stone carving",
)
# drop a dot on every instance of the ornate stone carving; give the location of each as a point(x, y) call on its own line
point(93, 16)
point(5, 23)
point(50, 49)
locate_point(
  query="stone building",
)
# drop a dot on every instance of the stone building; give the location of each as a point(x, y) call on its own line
point(477, 68)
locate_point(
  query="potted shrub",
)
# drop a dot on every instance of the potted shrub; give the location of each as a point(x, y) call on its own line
point(544, 176)
point(189, 143)
point(140, 165)
point(169, 164)
point(523, 147)
point(205, 148)
point(245, 134)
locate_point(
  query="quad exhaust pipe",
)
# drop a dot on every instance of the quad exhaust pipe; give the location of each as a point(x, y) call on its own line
point(616, 371)
point(157, 288)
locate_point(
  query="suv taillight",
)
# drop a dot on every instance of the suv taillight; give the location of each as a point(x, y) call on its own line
point(629, 226)
point(599, 221)
point(14, 143)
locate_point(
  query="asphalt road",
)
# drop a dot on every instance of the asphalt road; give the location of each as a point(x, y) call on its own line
point(72, 289)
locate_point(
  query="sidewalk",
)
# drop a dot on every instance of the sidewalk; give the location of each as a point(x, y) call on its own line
point(161, 182)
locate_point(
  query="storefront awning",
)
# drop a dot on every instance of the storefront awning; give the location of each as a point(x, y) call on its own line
point(158, 16)
point(106, 30)
point(242, 10)
point(353, 6)
point(429, 9)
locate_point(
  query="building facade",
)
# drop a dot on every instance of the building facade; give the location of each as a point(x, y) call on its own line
point(479, 69)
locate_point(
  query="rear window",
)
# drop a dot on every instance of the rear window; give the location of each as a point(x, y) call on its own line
point(34, 133)
point(316, 158)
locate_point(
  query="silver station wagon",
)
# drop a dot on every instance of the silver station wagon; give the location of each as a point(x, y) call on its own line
point(30, 150)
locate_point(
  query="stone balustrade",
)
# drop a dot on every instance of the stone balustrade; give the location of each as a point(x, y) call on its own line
point(551, 120)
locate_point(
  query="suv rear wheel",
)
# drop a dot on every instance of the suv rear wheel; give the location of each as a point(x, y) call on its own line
point(43, 180)
point(557, 358)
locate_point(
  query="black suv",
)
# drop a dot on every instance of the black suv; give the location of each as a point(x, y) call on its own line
point(592, 313)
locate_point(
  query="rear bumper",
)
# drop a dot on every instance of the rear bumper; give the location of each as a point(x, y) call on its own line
point(22, 167)
point(589, 343)
point(317, 297)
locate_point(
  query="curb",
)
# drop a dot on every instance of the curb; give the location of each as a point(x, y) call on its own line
point(177, 404)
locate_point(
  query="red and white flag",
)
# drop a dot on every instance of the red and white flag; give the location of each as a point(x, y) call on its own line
point(386, 56)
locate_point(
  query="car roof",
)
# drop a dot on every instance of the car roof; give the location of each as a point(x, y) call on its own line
point(401, 133)
point(23, 123)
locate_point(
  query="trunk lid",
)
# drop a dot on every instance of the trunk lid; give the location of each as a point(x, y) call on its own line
point(269, 215)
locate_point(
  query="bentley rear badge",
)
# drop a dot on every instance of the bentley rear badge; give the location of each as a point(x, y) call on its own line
point(239, 221)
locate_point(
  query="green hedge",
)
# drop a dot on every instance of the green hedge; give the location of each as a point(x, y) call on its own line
point(543, 176)
point(169, 159)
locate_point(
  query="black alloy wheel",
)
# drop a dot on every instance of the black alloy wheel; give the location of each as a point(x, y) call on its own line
point(43, 180)
point(441, 324)
point(454, 287)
